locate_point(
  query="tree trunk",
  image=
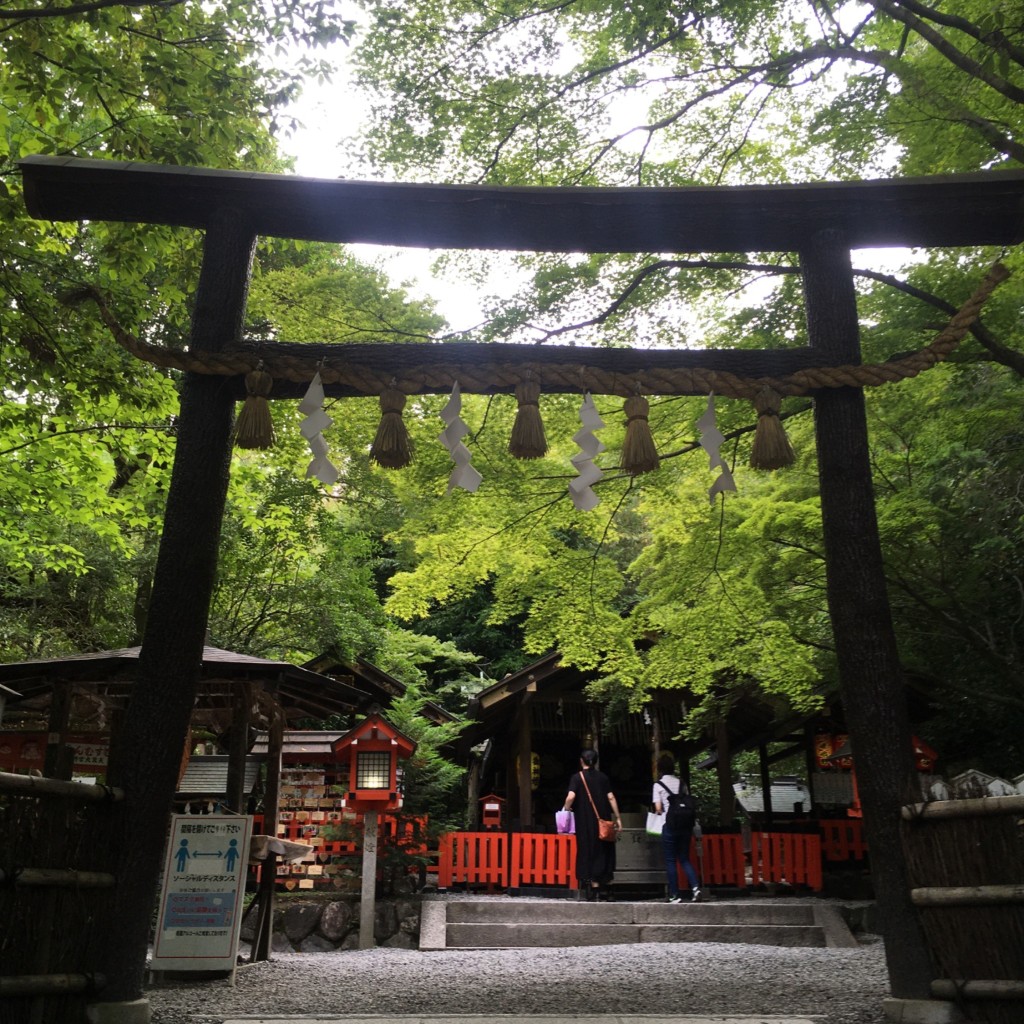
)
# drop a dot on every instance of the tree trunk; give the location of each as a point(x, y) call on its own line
point(146, 753)
point(870, 674)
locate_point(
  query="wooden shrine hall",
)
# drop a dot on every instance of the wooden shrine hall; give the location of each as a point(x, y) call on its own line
point(820, 222)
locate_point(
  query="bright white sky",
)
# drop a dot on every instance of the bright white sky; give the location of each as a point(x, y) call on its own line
point(325, 148)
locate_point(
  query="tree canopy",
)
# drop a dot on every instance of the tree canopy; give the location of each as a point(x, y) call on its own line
point(453, 590)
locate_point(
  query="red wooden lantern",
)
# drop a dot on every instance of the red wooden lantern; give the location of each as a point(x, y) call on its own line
point(373, 748)
point(492, 810)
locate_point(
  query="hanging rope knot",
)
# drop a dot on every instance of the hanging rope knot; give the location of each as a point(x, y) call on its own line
point(391, 447)
point(639, 453)
point(255, 425)
point(771, 448)
point(527, 440)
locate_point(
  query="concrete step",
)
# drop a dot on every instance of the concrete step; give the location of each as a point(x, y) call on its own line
point(508, 924)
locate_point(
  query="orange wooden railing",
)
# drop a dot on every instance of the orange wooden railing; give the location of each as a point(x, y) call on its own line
point(511, 860)
point(843, 839)
point(792, 858)
point(535, 858)
point(473, 858)
point(539, 859)
point(720, 860)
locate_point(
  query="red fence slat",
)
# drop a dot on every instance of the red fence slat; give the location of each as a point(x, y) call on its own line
point(843, 839)
point(721, 860)
point(541, 859)
point(792, 858)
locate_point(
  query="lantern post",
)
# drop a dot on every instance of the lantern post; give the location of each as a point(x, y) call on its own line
point(372, 749)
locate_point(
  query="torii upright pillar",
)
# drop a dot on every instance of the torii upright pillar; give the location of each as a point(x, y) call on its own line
point(146, 752)
point(870, 673)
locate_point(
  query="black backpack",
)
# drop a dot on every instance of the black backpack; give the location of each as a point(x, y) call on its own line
point(681, 814)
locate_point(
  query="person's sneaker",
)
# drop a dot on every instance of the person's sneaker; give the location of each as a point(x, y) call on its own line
point(675, 899)
point(696, 897)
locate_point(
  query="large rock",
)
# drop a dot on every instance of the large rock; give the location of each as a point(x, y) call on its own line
point(385, 921)
point(336, 920)
point(316, 944)
point(300, 919)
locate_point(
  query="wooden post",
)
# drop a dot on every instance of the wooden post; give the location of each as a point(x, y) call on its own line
point(766, 786)
point(146, 753)
point(870, 674)
point(473, 792)
point(271, 811)
point(368, 894)
point(241, 720)
point(524, 777)
point(55, 765)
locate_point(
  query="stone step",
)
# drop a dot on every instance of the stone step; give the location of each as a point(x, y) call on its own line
point(570, 912)
point(509, 924)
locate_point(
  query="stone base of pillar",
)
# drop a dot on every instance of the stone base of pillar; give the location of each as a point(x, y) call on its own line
point(135, 1012)
point(922, 1011)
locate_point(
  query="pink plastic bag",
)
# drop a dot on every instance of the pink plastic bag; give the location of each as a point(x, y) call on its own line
point(565, 823)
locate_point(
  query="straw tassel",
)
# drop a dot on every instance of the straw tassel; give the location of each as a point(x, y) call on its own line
point(771, 449)
point(527, 440)
point(255, 426)
point(391, 448)
point(638, 452)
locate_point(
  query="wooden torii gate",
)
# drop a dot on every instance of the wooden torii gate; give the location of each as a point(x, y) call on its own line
point(820, 222)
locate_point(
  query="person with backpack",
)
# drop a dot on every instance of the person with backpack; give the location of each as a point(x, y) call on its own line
point(671, 798)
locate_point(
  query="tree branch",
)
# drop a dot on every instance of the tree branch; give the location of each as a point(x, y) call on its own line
point(995, 39)
point(954, 55)
point(96, 5)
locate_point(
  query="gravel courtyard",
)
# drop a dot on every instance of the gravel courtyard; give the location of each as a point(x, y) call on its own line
point(838, 986)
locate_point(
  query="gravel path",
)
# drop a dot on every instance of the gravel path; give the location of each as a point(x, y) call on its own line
point(840, 986)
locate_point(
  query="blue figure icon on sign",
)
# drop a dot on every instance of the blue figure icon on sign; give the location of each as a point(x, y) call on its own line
point(231, 857)
point(181, 856)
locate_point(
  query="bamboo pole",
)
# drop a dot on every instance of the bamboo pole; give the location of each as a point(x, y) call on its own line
point(973, 808)
point(49, 984)
point(967, 895)
point(948, 988)
point(35, 784)
point(57, 878)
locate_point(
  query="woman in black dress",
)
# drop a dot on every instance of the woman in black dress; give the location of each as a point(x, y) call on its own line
point(595, 858)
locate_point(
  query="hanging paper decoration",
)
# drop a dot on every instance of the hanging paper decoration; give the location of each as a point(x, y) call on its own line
point(255, 426)
point(390, 447)
point(527, 440)
point(639, 454)
point(581, 490)
point(463, 475)
point(771, 449)
point(711, 439)
point(312, 427)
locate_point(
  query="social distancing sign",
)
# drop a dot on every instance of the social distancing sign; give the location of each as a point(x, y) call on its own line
point(201, 897)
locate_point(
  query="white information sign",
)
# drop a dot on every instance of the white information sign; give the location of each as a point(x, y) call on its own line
point(201, 898)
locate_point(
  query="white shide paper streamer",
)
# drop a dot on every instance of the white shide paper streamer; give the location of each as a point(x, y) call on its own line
point(711, 439)
point(312, 427)
point(581, 489)
point(463, 475)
